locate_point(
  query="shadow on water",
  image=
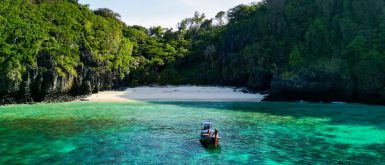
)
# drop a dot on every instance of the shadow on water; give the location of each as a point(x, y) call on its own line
point(212, 149)
point(338, 114)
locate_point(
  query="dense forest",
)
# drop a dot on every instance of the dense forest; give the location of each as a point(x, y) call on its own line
point(317, 50)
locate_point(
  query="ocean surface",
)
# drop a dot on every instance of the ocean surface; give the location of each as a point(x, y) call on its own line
point(167, 133)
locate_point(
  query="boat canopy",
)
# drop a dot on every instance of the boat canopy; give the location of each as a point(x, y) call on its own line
point(206, 123)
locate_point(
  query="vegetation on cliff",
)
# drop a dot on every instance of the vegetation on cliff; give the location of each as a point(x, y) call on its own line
point(59, 47)
point(296, 49)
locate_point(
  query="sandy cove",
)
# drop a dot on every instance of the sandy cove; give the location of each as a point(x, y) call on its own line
point(176, 93)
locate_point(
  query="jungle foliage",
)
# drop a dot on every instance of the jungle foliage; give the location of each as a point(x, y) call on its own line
point(249, 45)
point(342, 41)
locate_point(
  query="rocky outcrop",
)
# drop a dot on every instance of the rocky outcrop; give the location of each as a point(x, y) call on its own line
point(322, 86)
point(259, 81)
point(311, 87)
point(43, 83)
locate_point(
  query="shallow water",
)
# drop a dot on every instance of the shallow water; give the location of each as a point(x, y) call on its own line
point(166, 133)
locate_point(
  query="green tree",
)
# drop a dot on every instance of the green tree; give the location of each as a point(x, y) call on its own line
point(220, 17)
point(295, 57)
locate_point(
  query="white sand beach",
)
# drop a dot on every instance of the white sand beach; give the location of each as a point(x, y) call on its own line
point(176, 93)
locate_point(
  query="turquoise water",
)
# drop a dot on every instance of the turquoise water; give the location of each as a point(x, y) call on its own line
point(166, 133)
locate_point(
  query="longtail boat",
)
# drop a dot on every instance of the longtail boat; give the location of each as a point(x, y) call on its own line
point(209, 136)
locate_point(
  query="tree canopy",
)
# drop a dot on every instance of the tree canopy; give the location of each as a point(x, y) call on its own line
point(256, 45)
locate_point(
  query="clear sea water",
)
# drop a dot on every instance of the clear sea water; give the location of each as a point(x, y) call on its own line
point(166, 133)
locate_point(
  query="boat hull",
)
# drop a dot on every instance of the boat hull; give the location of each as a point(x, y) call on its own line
point(209, 141)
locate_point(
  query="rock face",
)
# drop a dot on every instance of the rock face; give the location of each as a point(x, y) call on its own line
point(43, 83)
point(324, 87)
point(311, 87)
point(260, 81)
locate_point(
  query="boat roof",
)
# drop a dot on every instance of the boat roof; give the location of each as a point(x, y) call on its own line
point(207, 122)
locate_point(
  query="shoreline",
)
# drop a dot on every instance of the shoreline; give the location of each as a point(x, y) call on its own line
point(176, 93)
